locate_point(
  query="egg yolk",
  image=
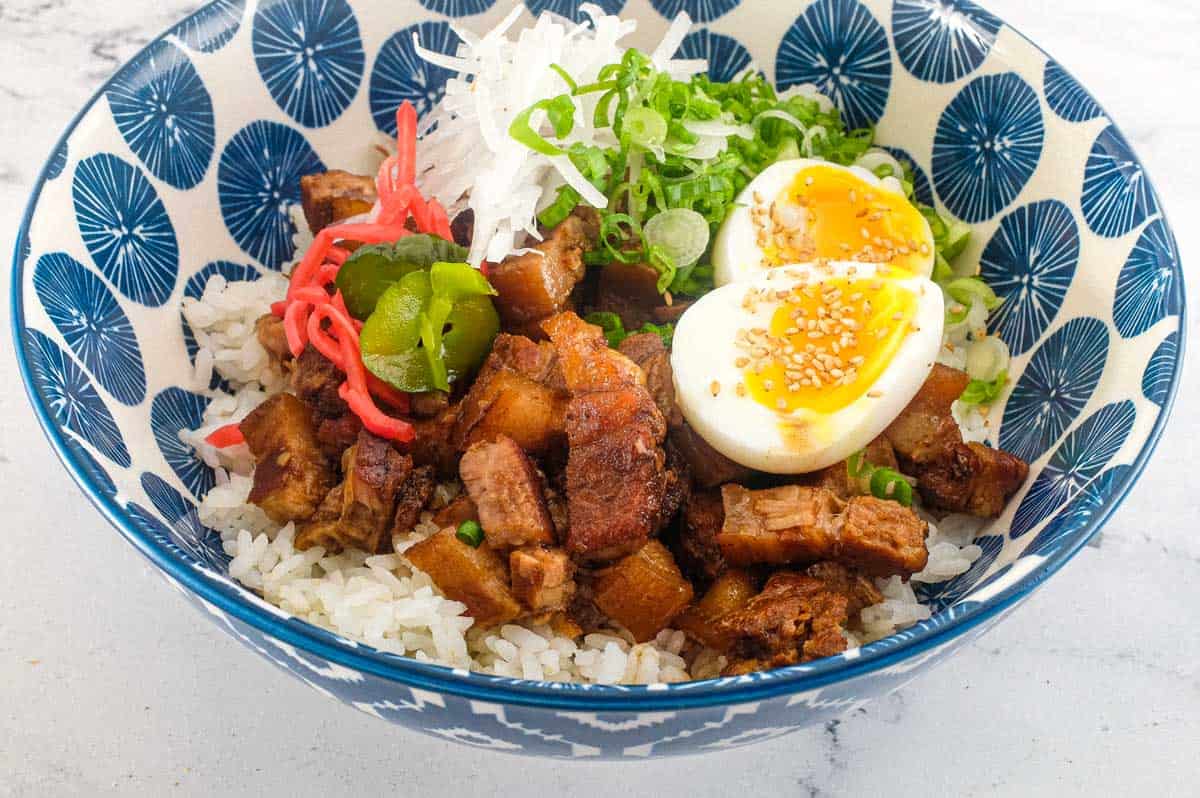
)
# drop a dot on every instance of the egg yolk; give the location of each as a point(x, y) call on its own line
point(830, 213)
point(828, 343)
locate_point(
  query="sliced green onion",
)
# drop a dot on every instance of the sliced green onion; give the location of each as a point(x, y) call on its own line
point(557, 212)
point(611, 324)
point(560, 111)
point(682, 234)
point(471, 533)
point(958, 235)
point(664, 331)
point(645, 127)
point(890, 484)
point(964, 290)
point(982, 392)
point(986, 358)
point(857, 466)
point(570, 81)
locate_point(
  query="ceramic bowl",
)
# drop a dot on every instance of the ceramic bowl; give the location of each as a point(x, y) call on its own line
point(185, 165)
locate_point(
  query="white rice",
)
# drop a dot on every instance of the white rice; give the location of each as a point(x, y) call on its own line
point(384, 601)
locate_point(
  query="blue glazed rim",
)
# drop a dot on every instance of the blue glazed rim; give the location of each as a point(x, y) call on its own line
point(557, 696)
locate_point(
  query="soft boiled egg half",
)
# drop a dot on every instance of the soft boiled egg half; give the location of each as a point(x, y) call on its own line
point(802, 211)
point(805, 365)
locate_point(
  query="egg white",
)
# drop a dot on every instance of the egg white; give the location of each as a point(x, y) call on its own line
point(736, 256)
point(704, 351)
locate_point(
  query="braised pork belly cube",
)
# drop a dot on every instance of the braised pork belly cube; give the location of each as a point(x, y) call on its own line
point(269, 331)
point(542, 578)
point(477, 577)
point(643, 592)
point(796, 524)
point(315, 380)
point(881, 538)
point(649, 352)
point(792, 620)
point(515, 395)
point(332, 196)
point(338, 433)
point(616, 477)
point(615, 490)
point(629, 290)
point(926, 428)
point(778, 525)
point(292, 475)
point(538, 284)
point(433, 443)
point(730, 591)
point(507, 491)
point(796, 618)
point(359, 512)
point(412, 498)
point(709, 468)
point(585, 360)
point(457, 512)
point(696, 548)
point(951, 475)
point(972, 478)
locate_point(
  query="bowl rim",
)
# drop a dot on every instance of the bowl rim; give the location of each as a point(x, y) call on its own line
point(560, 696)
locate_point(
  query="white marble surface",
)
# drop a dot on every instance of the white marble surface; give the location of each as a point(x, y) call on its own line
point(110, 684)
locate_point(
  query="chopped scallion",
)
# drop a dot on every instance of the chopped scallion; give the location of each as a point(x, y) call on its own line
point(471, 533)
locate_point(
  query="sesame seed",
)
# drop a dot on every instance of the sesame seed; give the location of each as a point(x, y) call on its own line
point(740, 389)
point(874, 394)
point(715, 387)
point(742, 362)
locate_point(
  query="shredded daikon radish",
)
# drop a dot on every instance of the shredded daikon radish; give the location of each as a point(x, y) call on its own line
point(470, 159)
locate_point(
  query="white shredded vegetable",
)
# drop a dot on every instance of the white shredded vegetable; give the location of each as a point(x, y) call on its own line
point(470, 159)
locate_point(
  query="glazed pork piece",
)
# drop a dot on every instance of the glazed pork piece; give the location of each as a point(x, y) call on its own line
point(707, 467)
point(271, 335)
point(796, 618)
point(536, 285)
point(315, 381)
point(616, 467)
point(796, 524)
point(507, 492)
point(651, 354)
point(360, 511)
point(433, 442)
point(332, 196)
point(412, 498)
point(629, 290)
point(518, 394)
point(951, 475)
point(730, 592)
point(542, 578)
point(643, 591)
point(293, 475)
point(696, 548)
point(478, 577)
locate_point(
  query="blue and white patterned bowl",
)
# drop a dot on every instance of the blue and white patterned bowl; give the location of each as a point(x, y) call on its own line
point(185, 164)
